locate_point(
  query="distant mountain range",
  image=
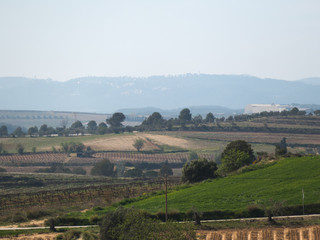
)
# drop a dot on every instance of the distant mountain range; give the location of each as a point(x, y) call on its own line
point(109, 94)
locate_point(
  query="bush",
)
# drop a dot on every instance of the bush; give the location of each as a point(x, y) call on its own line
point(198, 170)
point(95, 219)
point(236, 155)
point(20, 217)
point(20, 148)
point(71, 235)
point(135, 172)
point(3, 169)
point(104, 168)
point(79, 170)
point(68, 221)
point(133, 224)
point(36, 213)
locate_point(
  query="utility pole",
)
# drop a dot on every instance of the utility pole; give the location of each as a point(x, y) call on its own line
point(166, 183)
point(302, 201)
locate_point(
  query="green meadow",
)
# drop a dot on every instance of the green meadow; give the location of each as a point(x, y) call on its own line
point(282, 180)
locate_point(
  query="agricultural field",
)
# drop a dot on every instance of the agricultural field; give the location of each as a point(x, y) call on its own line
point(281, 180)
point(173, 147)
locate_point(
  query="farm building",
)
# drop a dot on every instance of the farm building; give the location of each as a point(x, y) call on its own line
point(258, 108)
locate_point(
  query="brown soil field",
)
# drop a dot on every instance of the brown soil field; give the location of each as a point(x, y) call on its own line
point(125, 142)
point(303, 233)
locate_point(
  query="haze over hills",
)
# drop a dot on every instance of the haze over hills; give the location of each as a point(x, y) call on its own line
point(108, 94)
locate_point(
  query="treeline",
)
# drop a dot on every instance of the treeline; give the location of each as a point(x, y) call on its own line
point(155, 122)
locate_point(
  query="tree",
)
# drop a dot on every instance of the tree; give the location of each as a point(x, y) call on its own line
point(209, 118)
point(154, 121)
point(138, 144)
point(18, 132)
point(43, 130)
point(197, 120)
point(230, 119)
point(281, 149)
point(198, 170)
point(273, 208)
point(103, 168)
point(132, 224)
point(73, 147)
point(3, 131)
point(236, 154)
point(116, 120)
point(33, 131)
point(294, 111)
point(92, 126)
point(317, 112)
point(77, 127)
point(1, 148)
point(102, 128)
point(20, 148)
point(166, 170)
point(185, 115)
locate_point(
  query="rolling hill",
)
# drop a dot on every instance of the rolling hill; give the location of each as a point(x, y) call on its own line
point(282, 180)
point(108, 94)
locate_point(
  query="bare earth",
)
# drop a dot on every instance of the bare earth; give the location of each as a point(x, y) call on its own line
point(124, 143)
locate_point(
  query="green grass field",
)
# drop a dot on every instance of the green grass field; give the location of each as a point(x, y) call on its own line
point(283, 180)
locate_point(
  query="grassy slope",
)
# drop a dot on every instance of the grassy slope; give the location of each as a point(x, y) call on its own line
point(281, 181)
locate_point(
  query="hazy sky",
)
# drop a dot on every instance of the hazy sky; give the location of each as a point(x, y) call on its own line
point(64, 39)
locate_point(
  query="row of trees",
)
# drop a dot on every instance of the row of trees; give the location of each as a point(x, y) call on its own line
point(154, 122)
point(112, 125)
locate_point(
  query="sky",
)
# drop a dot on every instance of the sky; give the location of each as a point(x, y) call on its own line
point(63, 39)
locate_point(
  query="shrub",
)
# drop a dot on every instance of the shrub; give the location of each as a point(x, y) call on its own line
point(35, 213)
point(20, 217)
point(133, 224)
point(104, 168)
point(198, 170)
point(3, 169)
point(71, 235)
point(79, 170)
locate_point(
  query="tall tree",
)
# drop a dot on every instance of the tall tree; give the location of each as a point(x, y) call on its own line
point(43, 130)
point(209, 118)
point(197, 119)
point(77, 127)
point(236, 154)
point(102, 128)
point(3, 131)
point(116, 120)
point(92, 126)
point(33, 131)
point(185, 115)
point(154, 121)
point(198, 170)
point(18, 132)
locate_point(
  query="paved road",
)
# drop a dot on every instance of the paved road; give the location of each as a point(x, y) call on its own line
point(203, 221)
point(33, 228)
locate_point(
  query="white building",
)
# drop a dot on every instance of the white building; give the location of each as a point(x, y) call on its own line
point(258, 108)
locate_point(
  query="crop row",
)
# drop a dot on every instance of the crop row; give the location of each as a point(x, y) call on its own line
point(153, 158)
point(50, 158)
point(85, 194)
